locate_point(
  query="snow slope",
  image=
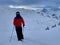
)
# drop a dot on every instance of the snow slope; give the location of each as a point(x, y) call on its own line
point(35, 32)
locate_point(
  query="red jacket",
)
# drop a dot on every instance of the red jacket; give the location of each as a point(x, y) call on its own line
point(18, 22)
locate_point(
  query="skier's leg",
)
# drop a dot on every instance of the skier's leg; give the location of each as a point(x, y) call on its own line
point(22, 36)
point(17, 32)
point(20, 33)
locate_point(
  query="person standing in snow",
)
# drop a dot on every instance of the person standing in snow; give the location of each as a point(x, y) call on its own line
point(18, 23)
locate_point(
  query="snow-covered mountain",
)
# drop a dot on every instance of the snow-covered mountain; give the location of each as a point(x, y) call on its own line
point(41, 28)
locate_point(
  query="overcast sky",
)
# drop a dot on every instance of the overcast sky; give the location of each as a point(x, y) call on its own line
point(36, 3)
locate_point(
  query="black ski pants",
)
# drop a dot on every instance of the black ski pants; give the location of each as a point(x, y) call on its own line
point(19, 33)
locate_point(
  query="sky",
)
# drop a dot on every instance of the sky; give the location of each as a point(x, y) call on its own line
point(32, 3)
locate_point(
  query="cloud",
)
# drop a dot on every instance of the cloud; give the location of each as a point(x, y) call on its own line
point(16, 1)
point(35, 3)
point(23, 7)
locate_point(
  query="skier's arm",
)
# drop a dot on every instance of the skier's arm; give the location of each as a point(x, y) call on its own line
point(14, 22)
point(23, 22)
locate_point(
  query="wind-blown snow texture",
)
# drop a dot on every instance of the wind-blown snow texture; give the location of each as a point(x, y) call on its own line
point(35, 31)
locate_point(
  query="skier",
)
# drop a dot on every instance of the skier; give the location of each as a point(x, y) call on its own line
point(18, 23)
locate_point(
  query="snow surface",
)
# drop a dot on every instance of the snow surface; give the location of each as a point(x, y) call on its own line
point(35, 32)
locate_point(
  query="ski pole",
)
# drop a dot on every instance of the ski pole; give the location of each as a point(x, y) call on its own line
point(11, 34)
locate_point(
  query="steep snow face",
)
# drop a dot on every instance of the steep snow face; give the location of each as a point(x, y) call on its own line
point(41, 28)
